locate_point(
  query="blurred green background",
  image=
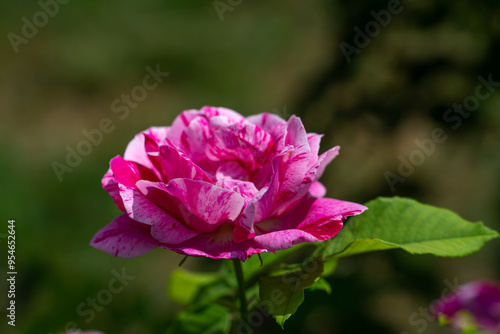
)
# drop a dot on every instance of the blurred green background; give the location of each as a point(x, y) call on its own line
point(259, 56)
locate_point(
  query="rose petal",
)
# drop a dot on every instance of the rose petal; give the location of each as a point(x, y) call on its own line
point(325, 159)
point(314, 140)
point(165, 228)
point(111, 186)
point(244, 188)
point(124, 237)
point(272, 124)
point(180, 123)
point(195, 141)
point(175, 164)
point(203, 206)
point(221, 111)
point(265, 121)
point(317, 189)
point(320, 217)
point(128, 172)
point(135, 151)
point(261, 206)
point(279, 240)
point(218, 244)
point(240, 142)
point(170, 231)
point(231, 170)
point(293, 169)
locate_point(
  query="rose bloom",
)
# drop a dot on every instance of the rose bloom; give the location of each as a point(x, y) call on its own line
point(219, 185)
point(475, 305)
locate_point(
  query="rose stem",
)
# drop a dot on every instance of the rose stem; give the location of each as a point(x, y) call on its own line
point(241, 286)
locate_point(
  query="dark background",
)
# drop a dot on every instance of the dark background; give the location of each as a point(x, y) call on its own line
point(282, 57)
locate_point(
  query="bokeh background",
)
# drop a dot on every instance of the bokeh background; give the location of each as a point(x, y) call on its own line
point(282, 57)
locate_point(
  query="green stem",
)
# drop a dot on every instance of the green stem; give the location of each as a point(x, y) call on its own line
point(241, 288)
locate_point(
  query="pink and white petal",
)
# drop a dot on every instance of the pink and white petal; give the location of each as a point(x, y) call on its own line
point(244, 228)
point(135, 150)
point(273, 125)
point(330, 207)
point(175, 164)
point(258, 142)
point(212, 204)
point(241, 141)
point(314, 141)
point(261, 206)
point(170, 231)
point(159, 133)
point(157, 193)
point(309, 183)
point(321, 217)
point(290, 182)
point(195, 141)
point(180, 123)
point(125, 237)
point(325, 159)
point(218, 244)
point(221, 111)
point(201, 205)
point(265, 121)
point(292, 171)
point(317, 189)
point(285, 239)
point(244, 188)
point(224, 142)
point(111, 186)
point(196, 136)
point(165, 228)
point(231, 170)
point(128, 172)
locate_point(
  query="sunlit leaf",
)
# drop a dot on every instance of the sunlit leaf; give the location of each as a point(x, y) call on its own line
point(409, 225)
point(184, 286)
point(322, 285)
point(281, 295)
point(208, 319)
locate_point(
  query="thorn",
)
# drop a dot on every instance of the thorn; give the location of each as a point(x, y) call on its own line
point(183, 260)
point(260, 258)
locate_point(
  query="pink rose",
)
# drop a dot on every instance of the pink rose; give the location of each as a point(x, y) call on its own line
point(220, 185)
point(475, 304)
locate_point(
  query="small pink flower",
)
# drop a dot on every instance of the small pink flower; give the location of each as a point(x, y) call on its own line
point(219, 185)
point(475, 305)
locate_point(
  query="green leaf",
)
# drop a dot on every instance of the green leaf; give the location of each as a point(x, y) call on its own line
point(330, 266)
point(208, 319)
point(184, 286)
point(253, 268)
point(281, 295)
point(409, 225)
point(321, 285)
